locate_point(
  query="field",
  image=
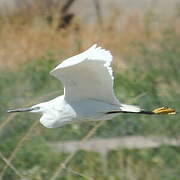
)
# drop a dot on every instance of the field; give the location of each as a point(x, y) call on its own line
point(146, 66)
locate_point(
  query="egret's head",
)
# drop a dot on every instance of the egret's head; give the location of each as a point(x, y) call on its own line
point(39, 108)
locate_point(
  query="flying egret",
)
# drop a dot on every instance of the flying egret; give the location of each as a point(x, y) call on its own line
point(88, 92)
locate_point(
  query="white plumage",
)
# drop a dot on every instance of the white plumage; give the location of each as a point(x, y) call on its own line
point(87, 76)
point(88, 91)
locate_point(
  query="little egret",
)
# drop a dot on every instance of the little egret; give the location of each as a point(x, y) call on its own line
point(88, 93)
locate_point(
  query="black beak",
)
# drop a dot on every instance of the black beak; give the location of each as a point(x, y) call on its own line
point(21, 110)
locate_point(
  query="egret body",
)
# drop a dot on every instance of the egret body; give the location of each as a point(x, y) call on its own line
point(88, 92)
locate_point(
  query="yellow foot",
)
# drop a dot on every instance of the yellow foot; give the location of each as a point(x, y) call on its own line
point(164, 110)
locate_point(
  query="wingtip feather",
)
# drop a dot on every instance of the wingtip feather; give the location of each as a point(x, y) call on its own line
point(95, 52)
point(98, 53)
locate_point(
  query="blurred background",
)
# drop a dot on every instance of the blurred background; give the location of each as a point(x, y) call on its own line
point(144, 38)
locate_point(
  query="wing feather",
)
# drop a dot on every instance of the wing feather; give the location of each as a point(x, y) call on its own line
point(88, 76)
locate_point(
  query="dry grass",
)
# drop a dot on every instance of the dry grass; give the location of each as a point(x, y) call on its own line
point(18, 146)
point(8, 164)
point(23, 39)
point(70, 157)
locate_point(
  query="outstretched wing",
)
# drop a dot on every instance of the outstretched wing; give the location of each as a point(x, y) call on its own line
point(88, 76)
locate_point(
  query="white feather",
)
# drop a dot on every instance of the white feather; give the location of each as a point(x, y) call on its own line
point(130, 108)
point(88, 76)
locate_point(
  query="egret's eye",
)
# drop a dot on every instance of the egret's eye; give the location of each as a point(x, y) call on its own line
point(35, 108)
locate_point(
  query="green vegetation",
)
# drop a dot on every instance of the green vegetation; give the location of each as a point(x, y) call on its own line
point(150, 79)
